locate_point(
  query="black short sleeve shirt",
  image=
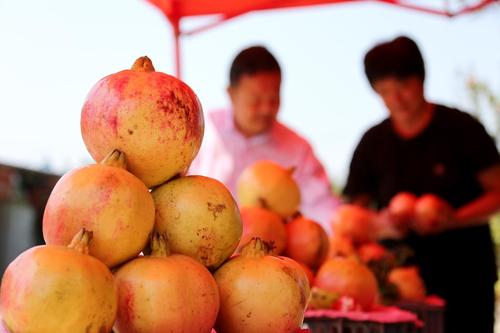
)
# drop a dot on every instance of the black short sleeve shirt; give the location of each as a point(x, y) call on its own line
point(444, 159)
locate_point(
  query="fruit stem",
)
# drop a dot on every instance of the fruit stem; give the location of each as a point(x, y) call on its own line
point(256, 248)
point(143, 64)
point(159, 245)
point(81, 241)
point(115, 159)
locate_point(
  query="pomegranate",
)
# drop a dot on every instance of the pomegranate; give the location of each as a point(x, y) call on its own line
point(200, 218)
point(307, 242)
point(407, 280)
point(262, 223)
point(431, 212)
point(355, 222)
point(260, 293)
point(373, 251)
point(50, 288)
point(340, 246)
point(154, 118)
point(267, 184)
point(106, 199)
point(165, 293)
point(348, 277)
point(322, 299)
point(402, 208)
point(309, 273)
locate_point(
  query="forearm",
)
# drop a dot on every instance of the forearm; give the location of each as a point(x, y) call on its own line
point(478, 211)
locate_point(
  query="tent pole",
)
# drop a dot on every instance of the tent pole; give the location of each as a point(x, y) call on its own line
point(177, 47)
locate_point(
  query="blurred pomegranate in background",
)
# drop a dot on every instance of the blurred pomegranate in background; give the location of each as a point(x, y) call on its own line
point(355, 222)
point(350, 278)
point(408, 282)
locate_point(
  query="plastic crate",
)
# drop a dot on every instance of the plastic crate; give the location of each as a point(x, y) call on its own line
point(342, 325)
point(431, 313)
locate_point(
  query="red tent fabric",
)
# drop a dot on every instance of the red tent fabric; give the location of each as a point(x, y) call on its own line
point(175, 10)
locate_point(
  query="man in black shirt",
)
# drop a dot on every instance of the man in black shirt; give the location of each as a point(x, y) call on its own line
point(427, 148)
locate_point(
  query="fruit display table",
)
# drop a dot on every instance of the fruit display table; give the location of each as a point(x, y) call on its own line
point(430, 312)
point(380, 320)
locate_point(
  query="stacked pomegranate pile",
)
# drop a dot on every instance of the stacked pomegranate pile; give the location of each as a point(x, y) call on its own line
point(134, 245)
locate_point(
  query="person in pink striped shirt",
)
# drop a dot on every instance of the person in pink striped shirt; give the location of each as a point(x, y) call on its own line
point(249, 131)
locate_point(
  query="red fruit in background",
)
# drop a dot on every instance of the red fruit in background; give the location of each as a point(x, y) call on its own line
point(261, 293)
point(402, 207)
point(340, 246)
point(355, 222)
point(410, 285)
point(309, 273)
point(372, 252)
point(262, 223)
point(348, 277)
point(307, 242)
point(106, 199)
point(430, 212)
point(154, 118)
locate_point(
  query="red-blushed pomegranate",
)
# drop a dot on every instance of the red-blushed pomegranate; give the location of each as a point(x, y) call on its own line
point(154, 118)
point(199, 217)
point(340, 246)
point(309, 273)
point(58, 289)
point(260, 293)
point(402, 207)
point(106, 199)
point(262, 223)
point(430, 212)
point(355, 222)
point(373, 251)
point(348, 277)
point(165, 293)
point(307, 242)
point(407, 280)
point(267, 184)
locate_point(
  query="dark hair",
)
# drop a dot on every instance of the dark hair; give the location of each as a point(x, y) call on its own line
point(252, 60)
point(399, 58)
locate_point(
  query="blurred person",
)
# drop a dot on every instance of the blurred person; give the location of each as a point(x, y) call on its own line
point(248, 131)
point(423, 147)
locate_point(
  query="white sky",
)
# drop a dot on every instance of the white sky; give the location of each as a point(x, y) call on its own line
point(53, 51)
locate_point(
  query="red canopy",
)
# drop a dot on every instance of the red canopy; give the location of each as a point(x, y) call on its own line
point(175, 10)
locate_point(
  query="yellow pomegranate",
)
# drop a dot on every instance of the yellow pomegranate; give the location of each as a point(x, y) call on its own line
point(267, 184)
point(165, 293)
point(58, 289)
point(261, 293)
point(154, 118)
point(106, 199)
point(199, 217)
